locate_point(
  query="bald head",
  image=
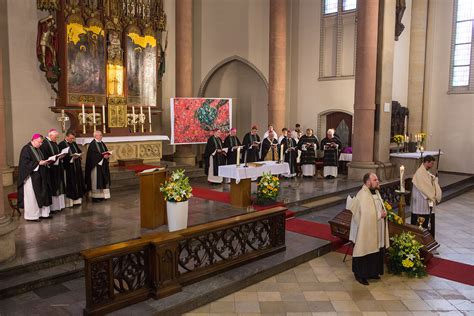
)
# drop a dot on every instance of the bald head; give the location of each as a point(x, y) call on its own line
point(53, 135)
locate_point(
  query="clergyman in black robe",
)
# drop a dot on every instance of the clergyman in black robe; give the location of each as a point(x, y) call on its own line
point(50, 148)
point(290, 152)
point(231, 142)
point(308, 144)
point(214, 156)
point(270, 148)
point(251, 144)
point(33, 183)
point(331, 146)
point(73, 175)
point(97, 169)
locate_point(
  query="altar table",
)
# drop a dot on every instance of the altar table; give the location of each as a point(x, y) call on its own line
point(411, 161)
point(240, 187)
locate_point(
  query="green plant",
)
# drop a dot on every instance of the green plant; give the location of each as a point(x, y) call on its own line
point(268, 187)
point(404, 256)
point(391, 216)
point(177, 187)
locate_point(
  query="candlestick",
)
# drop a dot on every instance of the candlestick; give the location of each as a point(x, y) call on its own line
point(238, 156)
point(103, 118)
point(83, 119)
point(149, 116)
point(133, 119)
point(402, 185)
point(141, 115)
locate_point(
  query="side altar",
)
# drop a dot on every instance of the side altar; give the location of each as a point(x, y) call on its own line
point(105, 61)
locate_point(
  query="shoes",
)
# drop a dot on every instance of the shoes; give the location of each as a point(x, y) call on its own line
point(362, 281)
point(375, 277)
point(47, 217)
point(34, 220)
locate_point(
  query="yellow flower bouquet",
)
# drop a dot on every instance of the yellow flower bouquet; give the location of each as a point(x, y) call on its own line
point(399, 139)
point(404, 256)
point(268, 187)
point(391, 216)
point(177, 187)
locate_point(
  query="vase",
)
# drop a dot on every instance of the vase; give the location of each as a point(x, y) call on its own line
point(177, 214)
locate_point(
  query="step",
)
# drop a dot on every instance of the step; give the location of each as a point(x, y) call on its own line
point(25, 278)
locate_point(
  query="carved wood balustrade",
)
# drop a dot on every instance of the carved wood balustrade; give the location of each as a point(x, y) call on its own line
point(159, 264)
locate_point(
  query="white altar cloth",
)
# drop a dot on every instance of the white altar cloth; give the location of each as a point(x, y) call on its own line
point(239, 173)
point(118, 139)
point(414, 155)
point(345, 157)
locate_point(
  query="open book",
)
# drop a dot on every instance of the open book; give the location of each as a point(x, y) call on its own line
point(63, 153)
point(77, 155)
point(153, 169)
point(107, 152)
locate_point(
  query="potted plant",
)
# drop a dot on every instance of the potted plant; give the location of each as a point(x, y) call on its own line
point(398, 139)
point(176, 192)
point(267, 189)
point(404, 256)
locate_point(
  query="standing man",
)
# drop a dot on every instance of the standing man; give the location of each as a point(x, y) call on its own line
point(308, 145)
point(252, 144)
point(231, 143)
point(97, 169)
point(33, 186)
point(74, 178)
point(425, 194)
point(270, 148)
point(55, 171)
point(296, 132)
point(289, 151)
point(214, 156)
point(369, 231)
point(268, 131)
point(331, 146)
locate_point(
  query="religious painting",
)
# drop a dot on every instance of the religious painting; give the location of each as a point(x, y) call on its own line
point(86, 58)
point(192, 119)
point(141, 53)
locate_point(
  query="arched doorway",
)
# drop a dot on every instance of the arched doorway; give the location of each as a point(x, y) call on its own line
point(240, 80)
point(342, 123)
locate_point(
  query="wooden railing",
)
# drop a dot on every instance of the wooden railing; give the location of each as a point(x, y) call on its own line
point(158, 265)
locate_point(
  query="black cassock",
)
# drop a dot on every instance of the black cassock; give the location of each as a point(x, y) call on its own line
point(213, 143)
point(266, 145)
point(290, 155)
point(308, 156)
point(229, 142)
point(94, 156)
point(253, 153)
point(29, 160)
point(331, 154)
point(56, 171)
point(74, 179)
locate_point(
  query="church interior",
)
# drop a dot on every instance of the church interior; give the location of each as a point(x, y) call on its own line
point(393, 79)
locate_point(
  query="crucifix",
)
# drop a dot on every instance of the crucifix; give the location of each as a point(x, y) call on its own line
point(63, 119)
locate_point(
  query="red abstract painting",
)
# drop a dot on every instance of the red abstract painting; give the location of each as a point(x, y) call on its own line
point(192, 119)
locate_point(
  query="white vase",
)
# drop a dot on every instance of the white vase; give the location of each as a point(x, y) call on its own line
point(177, 213)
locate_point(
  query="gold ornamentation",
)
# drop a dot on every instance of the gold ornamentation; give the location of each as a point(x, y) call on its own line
point(421, 220)
point(117, 115)
point(47, 5)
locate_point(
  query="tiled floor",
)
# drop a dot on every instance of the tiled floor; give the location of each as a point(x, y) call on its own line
point(326, 286)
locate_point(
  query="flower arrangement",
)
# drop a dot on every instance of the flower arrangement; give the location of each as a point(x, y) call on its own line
point(404, 256)
point(177, 187)
point(391, 216)
point(399, 139)
point(268, 187)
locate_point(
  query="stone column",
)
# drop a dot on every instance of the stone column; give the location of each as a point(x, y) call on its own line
point(7, 224)
point(277, 67)
point(386, 46)
point(184, 67)
point(416, 73)
point(365, 81)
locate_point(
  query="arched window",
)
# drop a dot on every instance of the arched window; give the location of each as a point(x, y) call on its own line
point(337, 39)
point(462, 66)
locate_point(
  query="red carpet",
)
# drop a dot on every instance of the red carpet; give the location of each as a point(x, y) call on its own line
point(140, 168)
point(203, 193)
point(443, 268)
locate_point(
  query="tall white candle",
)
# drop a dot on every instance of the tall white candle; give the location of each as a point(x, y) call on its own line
point(238, 156)
point(402, 184)
point(93, 114)
point(141, 115)
point(133, 119)
point(103, 118)
point(282, 157)
point(149, 114)
point(83, 115)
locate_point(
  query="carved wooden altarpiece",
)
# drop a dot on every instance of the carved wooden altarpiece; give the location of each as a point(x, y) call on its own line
point(106, 57)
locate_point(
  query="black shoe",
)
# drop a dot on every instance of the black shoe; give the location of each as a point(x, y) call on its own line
point(375, 278)
point(362, 281)
point(34, 220)
point(47, 217)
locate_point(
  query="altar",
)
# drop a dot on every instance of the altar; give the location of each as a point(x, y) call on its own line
point(411, 161)
point(240, 187)
point(146, 147)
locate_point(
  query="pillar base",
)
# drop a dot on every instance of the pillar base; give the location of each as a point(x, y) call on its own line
point(356, 170)
point(7, 174)
point(8, 227)
point(385, 171)
point(185, 154)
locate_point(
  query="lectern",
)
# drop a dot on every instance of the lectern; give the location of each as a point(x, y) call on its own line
point(152, 204)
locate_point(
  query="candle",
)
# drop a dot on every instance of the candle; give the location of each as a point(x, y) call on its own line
point(238, 156)
point(149, 116)
point(93, 114)
point(83, 115)
point(282, 157)
point(133, 119)
point(103, 117)
point(402, 185)
point(141, 115)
